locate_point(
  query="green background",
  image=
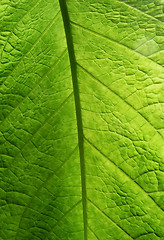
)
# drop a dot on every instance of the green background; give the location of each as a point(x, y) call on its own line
point(81, 97)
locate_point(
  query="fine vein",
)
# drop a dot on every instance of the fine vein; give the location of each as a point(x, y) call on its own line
point(73, 66)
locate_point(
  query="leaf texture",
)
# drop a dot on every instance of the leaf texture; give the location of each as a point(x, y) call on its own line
point(81, 120)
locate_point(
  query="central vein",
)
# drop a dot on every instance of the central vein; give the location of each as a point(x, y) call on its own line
point(73, 65)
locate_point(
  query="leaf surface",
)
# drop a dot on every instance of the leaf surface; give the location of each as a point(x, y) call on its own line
point(81, 115)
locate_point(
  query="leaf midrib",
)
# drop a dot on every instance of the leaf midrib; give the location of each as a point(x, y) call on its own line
point(73, 66)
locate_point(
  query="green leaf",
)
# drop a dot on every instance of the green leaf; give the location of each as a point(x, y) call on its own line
point(81, 97)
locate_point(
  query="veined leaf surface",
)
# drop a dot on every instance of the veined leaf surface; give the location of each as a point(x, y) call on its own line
point(81, 91)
